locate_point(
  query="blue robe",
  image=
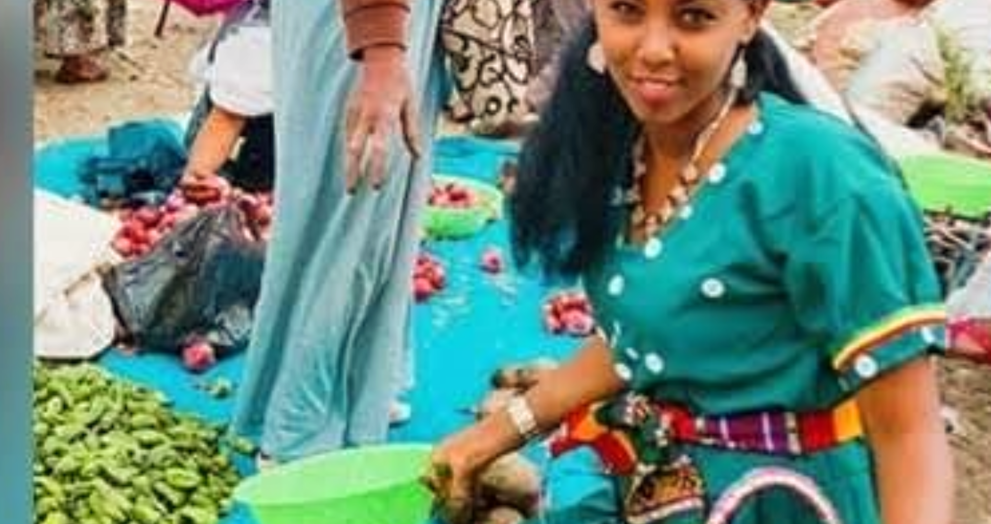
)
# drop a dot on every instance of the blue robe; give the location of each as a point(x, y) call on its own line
point(331, 341)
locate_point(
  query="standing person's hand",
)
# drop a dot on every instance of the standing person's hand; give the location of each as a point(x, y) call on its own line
point(381, 101)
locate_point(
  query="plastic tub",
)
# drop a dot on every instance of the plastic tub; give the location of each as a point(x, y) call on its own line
point(945, 180)
point(451, 223)
point(369, 485)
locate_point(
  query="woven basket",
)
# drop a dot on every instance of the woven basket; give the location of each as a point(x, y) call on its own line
point(957, 245)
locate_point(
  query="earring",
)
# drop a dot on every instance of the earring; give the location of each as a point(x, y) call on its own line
point(596, 59)
point(738, 74)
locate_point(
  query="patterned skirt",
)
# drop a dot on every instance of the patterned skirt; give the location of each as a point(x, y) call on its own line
point(77, 27)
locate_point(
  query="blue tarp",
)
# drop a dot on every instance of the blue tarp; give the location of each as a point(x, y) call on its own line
point(478, 323)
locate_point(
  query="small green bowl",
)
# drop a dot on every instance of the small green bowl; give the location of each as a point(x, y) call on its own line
point(449, 223)
point(946, 180)
point(369, 485)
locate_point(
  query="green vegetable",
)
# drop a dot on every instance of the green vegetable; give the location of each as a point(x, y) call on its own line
point(110, 452)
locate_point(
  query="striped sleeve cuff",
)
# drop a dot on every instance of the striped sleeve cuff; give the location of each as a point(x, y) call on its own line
point(888, 343)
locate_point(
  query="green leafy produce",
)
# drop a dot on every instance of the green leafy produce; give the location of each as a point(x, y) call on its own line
point(110, 452)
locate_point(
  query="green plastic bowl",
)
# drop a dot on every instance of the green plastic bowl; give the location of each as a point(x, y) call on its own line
point(945, 180)
point(448, 223)
point(369, 485)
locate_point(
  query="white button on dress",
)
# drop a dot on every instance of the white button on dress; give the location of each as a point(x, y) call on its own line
point(616, 285)
point(716, 173)
point(623, 371)
point(865, 366)
point(652, 249)
point(654, 363)
point(713, 288)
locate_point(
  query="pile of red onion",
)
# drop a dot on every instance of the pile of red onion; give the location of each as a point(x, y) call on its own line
point(452, 195)
point(569, 313)
point(429, 277)
point(143, 227)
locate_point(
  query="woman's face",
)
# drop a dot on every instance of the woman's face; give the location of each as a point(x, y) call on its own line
point(670, 58)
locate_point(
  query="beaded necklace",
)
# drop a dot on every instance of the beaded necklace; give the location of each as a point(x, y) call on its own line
point(685, 185)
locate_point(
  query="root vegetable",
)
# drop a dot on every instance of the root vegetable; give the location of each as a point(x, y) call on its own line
point(459, 511)
point(501, 515)
point(144, 227)
point(429, 277)
point(198, 356)
point(452, 195)
point(422, 289)
point(569, 313)
point(148, 216)
point(123, 246)
point(492, 260)
point(174, 202)
point(512, 480)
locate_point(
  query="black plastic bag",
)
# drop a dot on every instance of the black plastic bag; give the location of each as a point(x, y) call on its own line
point(200, 282)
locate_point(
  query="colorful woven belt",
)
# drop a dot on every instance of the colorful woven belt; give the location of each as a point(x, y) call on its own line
point(618, 431)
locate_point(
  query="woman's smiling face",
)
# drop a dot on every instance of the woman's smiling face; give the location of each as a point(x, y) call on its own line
point(669, 58)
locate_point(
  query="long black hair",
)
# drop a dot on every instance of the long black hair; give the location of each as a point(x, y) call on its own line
point(579, 155)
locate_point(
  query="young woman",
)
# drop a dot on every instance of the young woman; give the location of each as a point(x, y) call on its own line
point(761, 283)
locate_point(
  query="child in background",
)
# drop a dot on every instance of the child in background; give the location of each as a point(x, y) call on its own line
point(231, 130)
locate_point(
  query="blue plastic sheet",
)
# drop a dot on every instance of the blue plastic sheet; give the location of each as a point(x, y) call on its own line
point(478, 323)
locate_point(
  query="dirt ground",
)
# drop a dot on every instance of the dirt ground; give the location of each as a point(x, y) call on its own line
point(968, 390)
point(148, 78)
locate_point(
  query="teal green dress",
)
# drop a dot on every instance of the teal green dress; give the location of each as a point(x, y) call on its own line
point(796, 274)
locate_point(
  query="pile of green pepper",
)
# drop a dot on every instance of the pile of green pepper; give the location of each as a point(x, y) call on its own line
point(111, 452)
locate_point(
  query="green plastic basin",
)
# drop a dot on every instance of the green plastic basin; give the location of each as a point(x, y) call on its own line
point(369, 485)
point(449, 223)
point(946, 180)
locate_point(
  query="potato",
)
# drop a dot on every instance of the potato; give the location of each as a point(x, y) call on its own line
point(456, 511)
point(512, 480)
point(501, 515)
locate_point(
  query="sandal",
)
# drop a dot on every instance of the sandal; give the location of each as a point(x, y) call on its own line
point(80, 70)
point(970, 338)
point(264, 462)
point(399, 413)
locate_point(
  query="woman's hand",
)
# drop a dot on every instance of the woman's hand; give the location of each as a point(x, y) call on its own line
point(458, 460)
point(454, 468)
point(381, 101)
